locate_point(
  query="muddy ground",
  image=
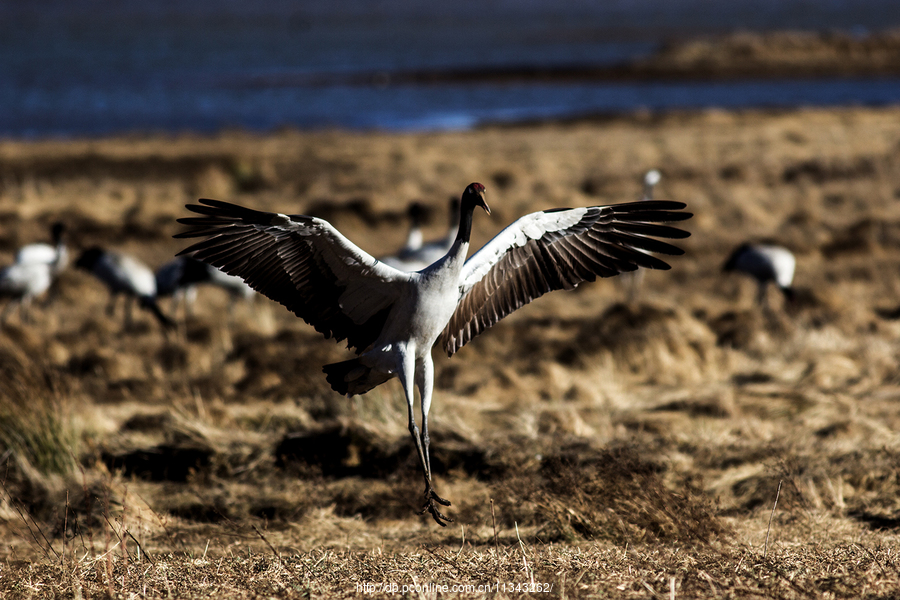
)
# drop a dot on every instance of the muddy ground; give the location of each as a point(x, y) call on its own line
point(622, 448)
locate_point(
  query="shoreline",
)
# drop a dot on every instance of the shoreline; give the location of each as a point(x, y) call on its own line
point(725, 57)
point(638, 115)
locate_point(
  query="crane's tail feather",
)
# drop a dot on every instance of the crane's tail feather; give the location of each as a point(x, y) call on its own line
point(351, 377)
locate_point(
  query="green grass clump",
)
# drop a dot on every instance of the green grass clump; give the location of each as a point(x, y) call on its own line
point(35, 428)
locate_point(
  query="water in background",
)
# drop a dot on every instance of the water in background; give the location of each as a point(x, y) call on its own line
point(95, 67)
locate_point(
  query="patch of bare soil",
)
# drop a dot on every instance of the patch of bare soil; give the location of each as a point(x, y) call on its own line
point(588, 443)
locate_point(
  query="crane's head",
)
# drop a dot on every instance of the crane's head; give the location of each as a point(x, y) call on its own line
point(474, 196)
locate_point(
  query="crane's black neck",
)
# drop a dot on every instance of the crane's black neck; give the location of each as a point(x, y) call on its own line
point(466, 208)
point(465, 223)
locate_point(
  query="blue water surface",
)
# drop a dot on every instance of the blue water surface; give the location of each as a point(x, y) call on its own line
point(97, 67)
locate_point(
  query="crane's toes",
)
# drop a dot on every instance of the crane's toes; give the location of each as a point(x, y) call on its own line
point(430, 507)
point(432, 495)
point(439, 518)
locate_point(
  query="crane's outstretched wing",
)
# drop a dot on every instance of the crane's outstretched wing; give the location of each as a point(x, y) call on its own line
point(555, 250)
point(302, 262)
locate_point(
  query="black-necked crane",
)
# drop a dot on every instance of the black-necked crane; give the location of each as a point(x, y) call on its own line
point(766, 263)
point(393, 318)
point(417, 254)
point(55, 255)
point(180, 277)
point(33, 272)
point(20, 284)
point(124, 274)
point(415, 212)
point(651, 180)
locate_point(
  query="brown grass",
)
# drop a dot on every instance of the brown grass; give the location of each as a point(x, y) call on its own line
point(612, 449)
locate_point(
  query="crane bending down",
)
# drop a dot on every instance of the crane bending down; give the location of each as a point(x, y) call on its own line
point(765, 263)
point(393, 318)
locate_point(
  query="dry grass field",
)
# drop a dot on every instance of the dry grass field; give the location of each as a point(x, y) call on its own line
point(590, 446)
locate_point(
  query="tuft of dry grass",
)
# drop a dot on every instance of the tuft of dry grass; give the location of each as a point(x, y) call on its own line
point(620, 496)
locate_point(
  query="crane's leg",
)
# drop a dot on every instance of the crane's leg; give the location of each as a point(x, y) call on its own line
point(6, 310)
point(111, 305)
point(129, 311)
point(425, 383)
point(761, 296)
point(407, 376)
point(25, 309)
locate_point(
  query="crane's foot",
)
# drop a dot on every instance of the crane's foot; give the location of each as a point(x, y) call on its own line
point(431, 501)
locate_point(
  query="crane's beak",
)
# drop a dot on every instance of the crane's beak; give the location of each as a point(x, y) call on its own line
point(483, 204)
